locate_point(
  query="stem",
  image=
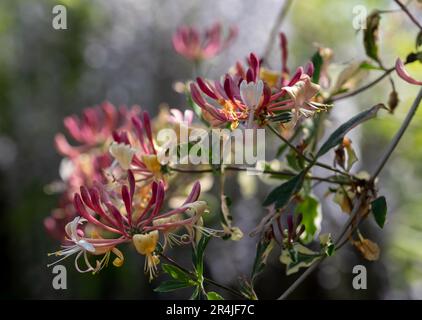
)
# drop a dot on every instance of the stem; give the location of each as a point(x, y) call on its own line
point(274, 30)
point(410, 15)
point(282, 173)
point(168, 259)
point(398, 135)
point(361, 89)
point(299, 280)
point(300, 154)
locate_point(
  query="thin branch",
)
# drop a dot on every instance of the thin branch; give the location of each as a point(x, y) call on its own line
point(266, 171)
point(361, 89)
point(299, 280)
point(274, 30)
point(398, 135)
point(300, 154)
point(409, 14)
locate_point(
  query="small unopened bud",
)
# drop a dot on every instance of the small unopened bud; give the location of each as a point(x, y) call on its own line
point(393, 101)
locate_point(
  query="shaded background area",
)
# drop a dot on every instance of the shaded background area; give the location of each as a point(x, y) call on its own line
point(121, 51)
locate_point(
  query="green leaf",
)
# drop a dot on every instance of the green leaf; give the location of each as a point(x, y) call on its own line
point(370, 36)
point(329, 250)
point(172, 285)
point(379, 210)
point(317, 61)
point(310, 209)
point(176, 273)
point(326, 243)
point(263, 249)
point(298, 257)
point(282, 194)
point(214, 296)
point(337, 136)
point(198, 255)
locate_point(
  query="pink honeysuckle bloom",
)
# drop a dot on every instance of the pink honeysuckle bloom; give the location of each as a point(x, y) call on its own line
point(402, 73)
point(82, 246)
point(94, 128)
point(243, 98)
point(88, 159)
point(128, 216)
point(301, 94)
point(190, 43)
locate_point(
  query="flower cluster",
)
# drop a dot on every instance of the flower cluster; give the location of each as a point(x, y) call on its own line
point(190, 43)
point(86, 162)
point(123, 200)
point(253, 96)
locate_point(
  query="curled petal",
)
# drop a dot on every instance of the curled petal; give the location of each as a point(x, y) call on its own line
point(402, 73)
point(128, 202)
point(309, 69)
point(64, 147)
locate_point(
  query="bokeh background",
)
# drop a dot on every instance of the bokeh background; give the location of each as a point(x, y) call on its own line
point(121, 51)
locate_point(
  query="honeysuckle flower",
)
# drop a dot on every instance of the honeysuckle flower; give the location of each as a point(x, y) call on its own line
point(224, 102)
point(301, 94)
point(190, 43)
point(82, 246)
point(244, 98)
point(402, 73)
point(117, 217)
point(94, 128)
point(251, 94)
